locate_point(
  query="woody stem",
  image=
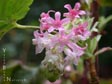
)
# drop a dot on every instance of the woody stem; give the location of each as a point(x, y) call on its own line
point(94, 78)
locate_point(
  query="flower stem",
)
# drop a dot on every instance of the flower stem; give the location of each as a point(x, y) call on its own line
point(26, 26)
point(92, 71)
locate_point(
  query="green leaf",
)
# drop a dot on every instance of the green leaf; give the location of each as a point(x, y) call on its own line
point(14, 9)
point(80, 66)
point(103, 21)
point(10, 12)
point(5, 27)
point(92, 44)
point(105, 3)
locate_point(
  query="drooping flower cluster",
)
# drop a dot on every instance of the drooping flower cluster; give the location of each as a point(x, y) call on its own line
point(58, 36)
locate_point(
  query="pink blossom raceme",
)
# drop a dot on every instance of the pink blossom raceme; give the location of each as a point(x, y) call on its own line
point(75, 12)
point(58, 36)
point(81, 32)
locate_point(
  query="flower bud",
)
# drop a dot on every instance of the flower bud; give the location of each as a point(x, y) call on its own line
point(53, 66)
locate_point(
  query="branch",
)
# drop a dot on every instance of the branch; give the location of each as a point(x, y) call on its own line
point(102, 50)
point(94, 78)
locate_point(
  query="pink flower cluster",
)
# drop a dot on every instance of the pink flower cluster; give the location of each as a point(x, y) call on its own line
point(59, 36)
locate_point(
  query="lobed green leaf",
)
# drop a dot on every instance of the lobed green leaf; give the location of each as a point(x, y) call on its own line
point(10, 12)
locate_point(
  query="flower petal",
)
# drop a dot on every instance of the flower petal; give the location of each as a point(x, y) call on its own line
point(67, 52)
point(76, 49)
point(51, 29)
point(65, 20)
point(81, 12)
point(85, 24)
point(66, 14)
point(77, 6)
point(68, 6)
point(39, 48)
point(36, 34)
point(34, 41)
point(57, 16)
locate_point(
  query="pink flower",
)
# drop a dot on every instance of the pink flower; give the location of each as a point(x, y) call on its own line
point(57, 23)
point(75, 12)
point(81, 31)
point(44, 18)
point(44, 26)
point(68, 68)
point(50, 24)
point(73, 55)
point(61, 40)
point(41, 41)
